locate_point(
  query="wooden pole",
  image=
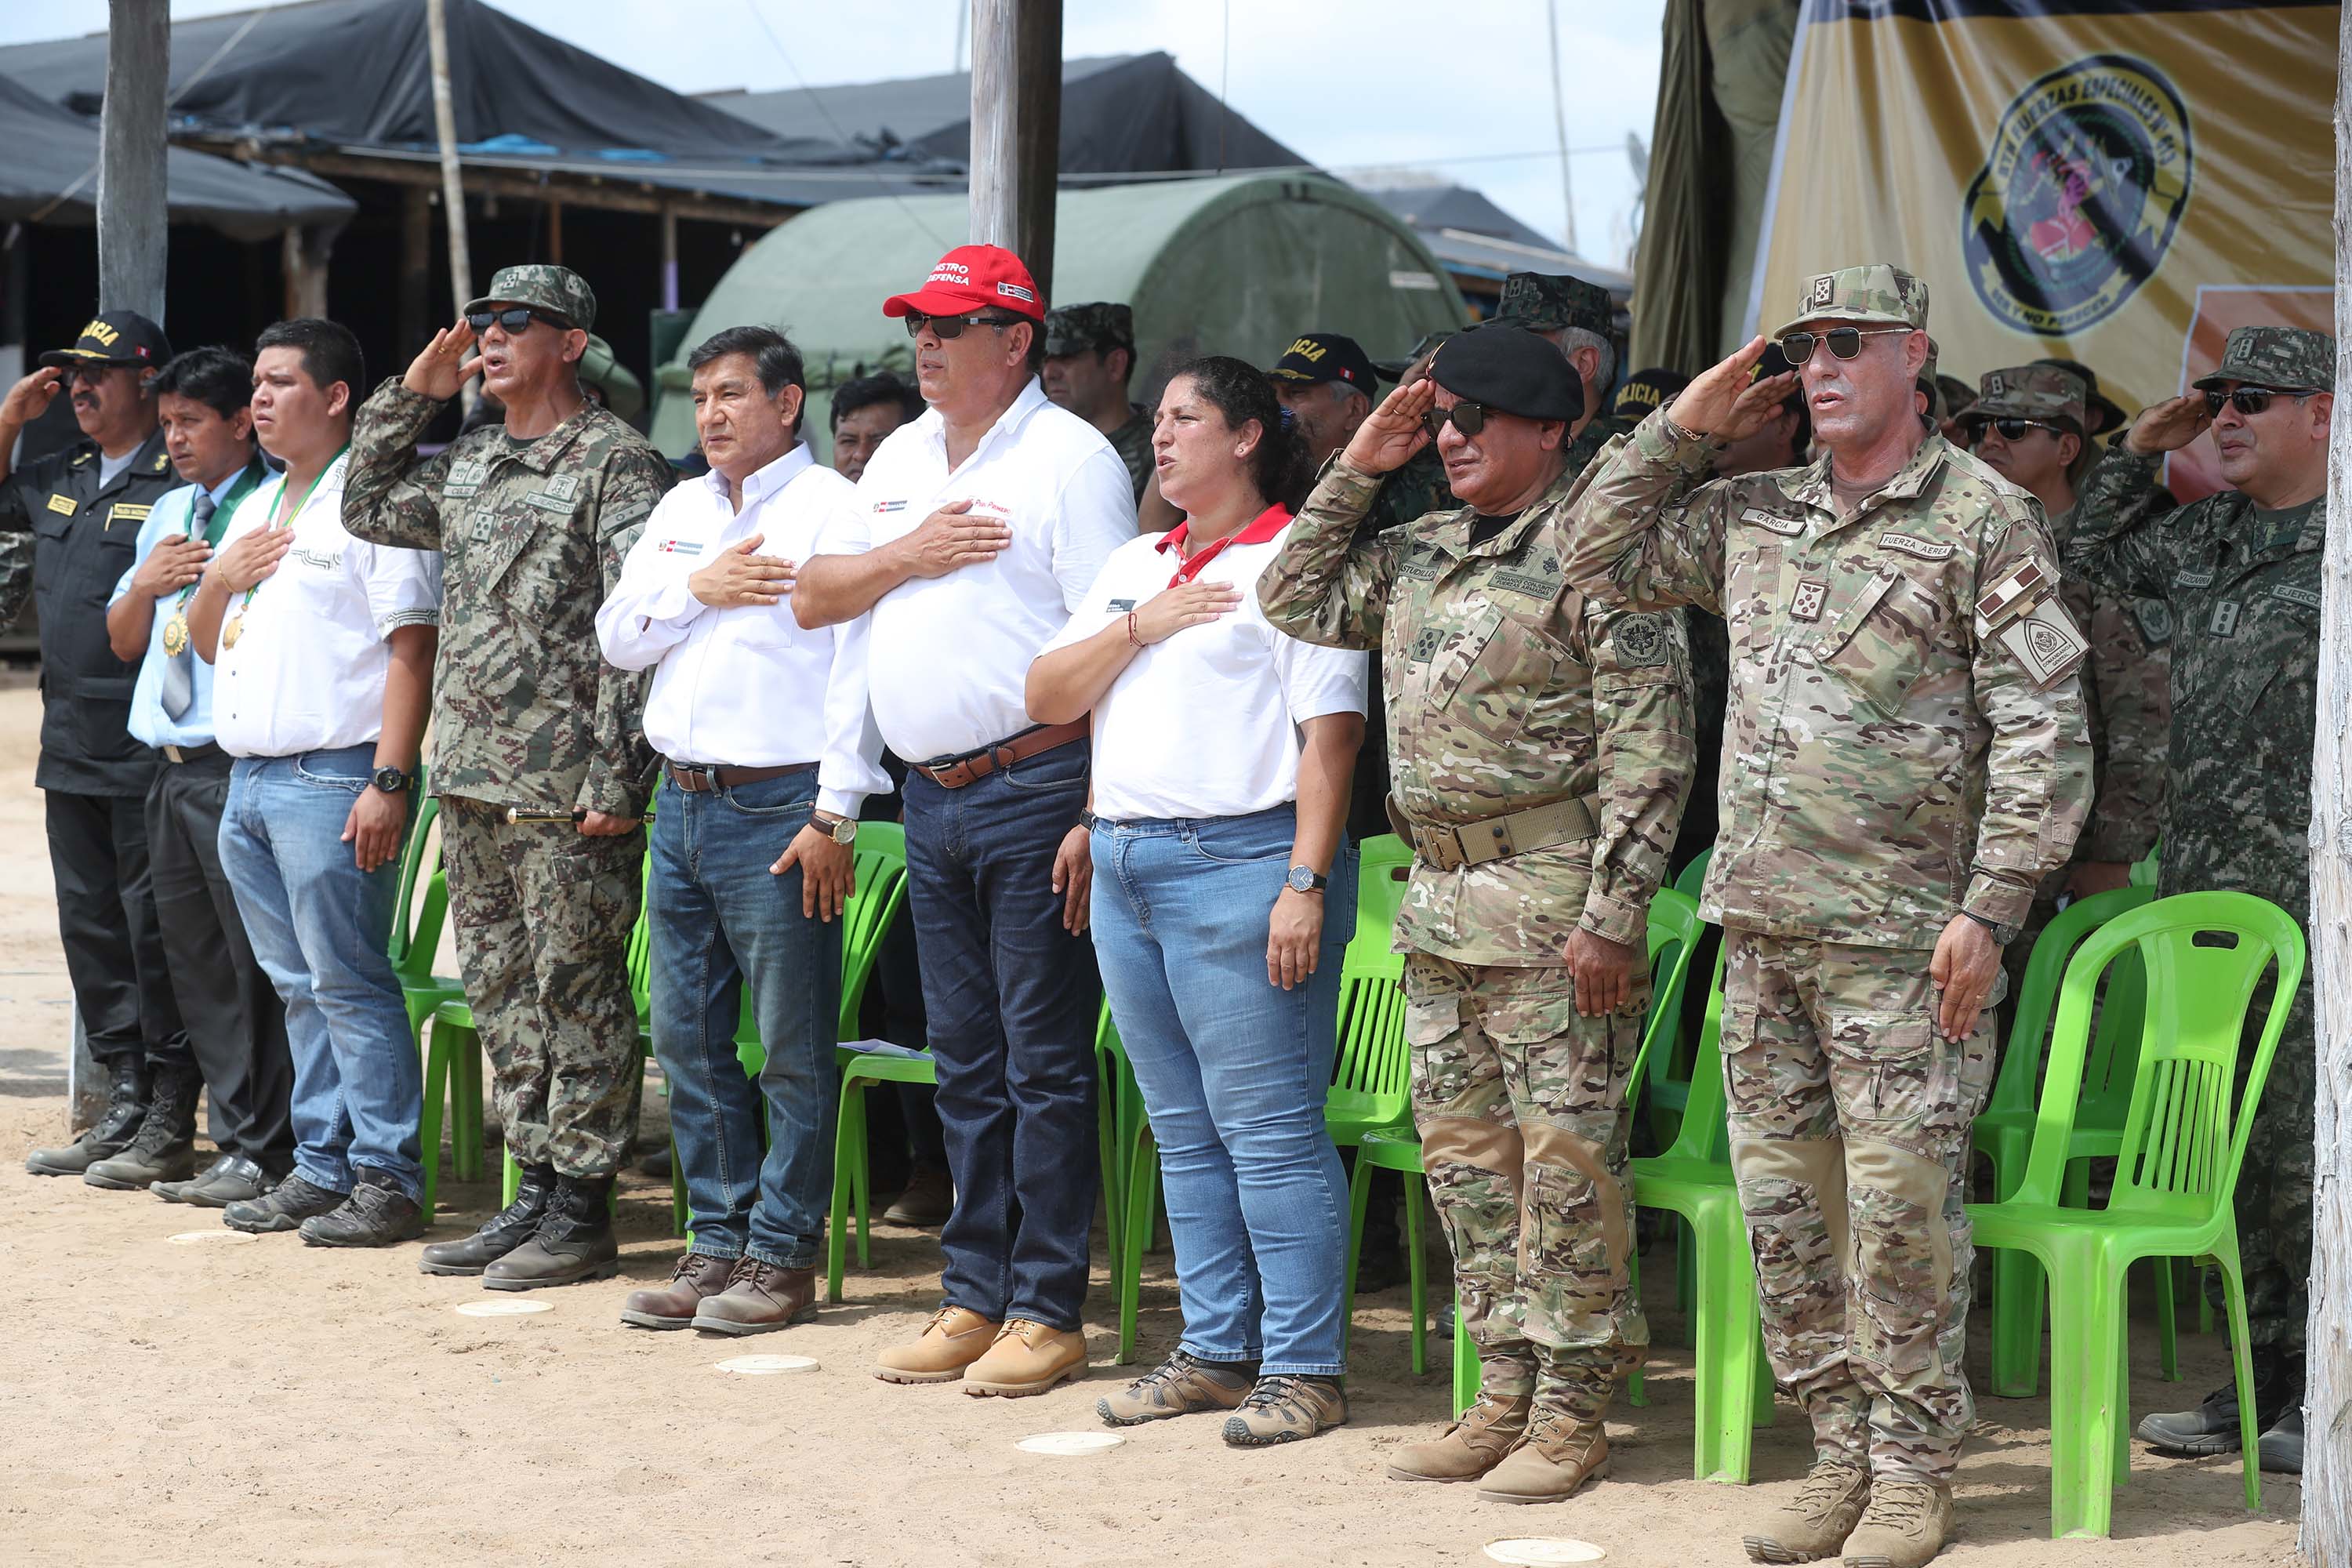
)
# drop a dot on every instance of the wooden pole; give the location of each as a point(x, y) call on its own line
point(415, 268)
point(555, 232)
point(1016, 128)
point(453, 188)
point(133, 213)
point(669, 258)
point(2326, 1540)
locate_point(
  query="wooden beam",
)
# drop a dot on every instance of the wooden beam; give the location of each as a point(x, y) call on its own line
point(305, 253)
point(556, 231)
point(1016, 128)
point(132, 215)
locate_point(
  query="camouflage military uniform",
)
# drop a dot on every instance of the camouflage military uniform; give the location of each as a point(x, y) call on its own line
point(526, 713)
point(2240, 589)
point(1102, 326)
point(1133, 442)
point(1510, 691)
point(1892, 759)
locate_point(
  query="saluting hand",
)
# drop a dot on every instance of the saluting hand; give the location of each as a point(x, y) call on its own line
point(1392, 433)
point(30, 397)
point(2168, 426)
point(175, 562)
point(739, 577)
point(1171, 610)
point(1727, 401)
point(442, 368)
point(950, 538)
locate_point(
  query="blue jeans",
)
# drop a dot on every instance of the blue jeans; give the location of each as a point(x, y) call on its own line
point(1234, 1071)
point(319, 926)
point(719, 920)
point(1010, 1000)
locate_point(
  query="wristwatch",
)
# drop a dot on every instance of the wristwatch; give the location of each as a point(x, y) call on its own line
point(391, 781)
point(1306, 880)
point(840, 829)
point(2002, 934)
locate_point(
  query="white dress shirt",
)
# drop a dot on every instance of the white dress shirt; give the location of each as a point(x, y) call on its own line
point(1206, 723)
point(950, 654)
point(746, 687)
point(307, 670)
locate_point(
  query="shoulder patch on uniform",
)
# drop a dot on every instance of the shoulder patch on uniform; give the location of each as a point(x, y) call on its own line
point(2293, 594)
point(1911, 544)
point(1640, 638)
point(1787, 526)
point(2023, 610)
point(562, 487)
point(2199, 578)
point(2155, 617)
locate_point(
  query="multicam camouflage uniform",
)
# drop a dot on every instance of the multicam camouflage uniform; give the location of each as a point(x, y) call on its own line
point(2240, 588)
point(1102, 326)
point(1510, 691)
point(526, 713)
point(1892, 759)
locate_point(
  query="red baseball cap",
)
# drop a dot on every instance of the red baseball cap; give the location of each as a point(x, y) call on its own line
point(973, 278)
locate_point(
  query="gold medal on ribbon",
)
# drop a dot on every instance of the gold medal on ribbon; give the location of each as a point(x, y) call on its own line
point(235, 629)
point(176, 633)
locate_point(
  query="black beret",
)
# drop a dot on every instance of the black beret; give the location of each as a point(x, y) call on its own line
point(1511, 371)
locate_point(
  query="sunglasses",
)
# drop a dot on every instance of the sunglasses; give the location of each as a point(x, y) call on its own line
point(1844, 341)
point(2248, 399)
point(946, 329)
point(515, 319)
point(2015, 429)
point(1467, 417)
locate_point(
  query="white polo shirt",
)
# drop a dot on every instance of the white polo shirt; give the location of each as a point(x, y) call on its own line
point(949, 655)
point(307, 670)
point(745, 686)
point(1206, 723)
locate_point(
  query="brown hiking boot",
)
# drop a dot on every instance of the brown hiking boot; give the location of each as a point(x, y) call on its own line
point(1470, 1448)
point(1027, 1358)
point(1815, 1522)
point(1560, 1455)
point(928, 1201)
point(1284, 1409)
point(673, 1306)
point(954, 1338)
point(1176, 1386)
point(1904, 1527)
point(760, 1298)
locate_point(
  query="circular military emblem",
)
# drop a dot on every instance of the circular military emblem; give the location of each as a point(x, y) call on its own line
point(1640, 639)
point(2155, 621)
point(2081, 189)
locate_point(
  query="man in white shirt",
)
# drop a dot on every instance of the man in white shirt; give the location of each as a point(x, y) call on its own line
point(767, 752)
point(973, 535)
point(321, 647)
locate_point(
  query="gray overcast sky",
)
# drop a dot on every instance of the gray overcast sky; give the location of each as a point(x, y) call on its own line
point(1461, 88)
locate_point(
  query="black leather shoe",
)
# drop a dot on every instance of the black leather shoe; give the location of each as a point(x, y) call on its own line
point(2281, 1449)
point(573, 1241)
point(290, 1203)
point(126, 1108)
point(377, 1214)
point(2212, 1427)
point(233, 1179)
point(500, 1234)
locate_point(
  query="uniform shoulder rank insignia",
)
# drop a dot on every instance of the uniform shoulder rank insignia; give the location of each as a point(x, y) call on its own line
point(2024, 611)
point(80, 459)
point(1639, 638)
point(163, 461)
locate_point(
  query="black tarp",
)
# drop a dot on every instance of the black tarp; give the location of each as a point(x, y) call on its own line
point(50, 174)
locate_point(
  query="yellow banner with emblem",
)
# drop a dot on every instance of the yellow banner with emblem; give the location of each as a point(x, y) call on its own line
point(2116, 182)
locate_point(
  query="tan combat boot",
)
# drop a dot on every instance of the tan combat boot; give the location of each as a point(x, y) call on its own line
point(1815, 1522)
point(1470, 1448)
point(1560, 1455)
point(1904, 1527)
point(954, 1338)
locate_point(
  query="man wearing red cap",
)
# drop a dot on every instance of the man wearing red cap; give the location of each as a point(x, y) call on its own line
point(974, 534)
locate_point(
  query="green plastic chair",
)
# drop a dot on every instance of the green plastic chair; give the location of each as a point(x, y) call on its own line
point(2004, 1130)
point(451, 1076)
point(2182, 1145)
point(1667, 1091)
point(1694, 876)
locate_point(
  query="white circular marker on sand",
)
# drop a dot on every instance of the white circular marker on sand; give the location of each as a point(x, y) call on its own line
point(1069, 1443)
point(765, 1365)
point(1536, 1549)
point(502, 1308)
point(197, 1237)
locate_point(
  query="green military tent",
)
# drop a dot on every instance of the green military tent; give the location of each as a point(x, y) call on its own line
point(1239, 264)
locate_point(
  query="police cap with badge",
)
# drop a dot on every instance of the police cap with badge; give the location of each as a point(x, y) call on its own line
point(114, 340)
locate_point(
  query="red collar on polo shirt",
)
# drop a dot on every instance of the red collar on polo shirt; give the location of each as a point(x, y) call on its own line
point(1260, 529)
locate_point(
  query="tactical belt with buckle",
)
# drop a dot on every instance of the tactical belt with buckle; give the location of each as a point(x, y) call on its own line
point(1476, 842)
point(954, 772)
point(191, 753)
point(696, 779)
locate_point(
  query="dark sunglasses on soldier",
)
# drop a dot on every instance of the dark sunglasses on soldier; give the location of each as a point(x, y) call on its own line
point(946, 329)
point(1467, 417)
point(517, 318)
point(2015, 429)
point(2247, 399)
point(1844, 341)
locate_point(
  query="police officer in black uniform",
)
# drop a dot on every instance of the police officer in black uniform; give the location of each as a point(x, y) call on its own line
point(68, 524)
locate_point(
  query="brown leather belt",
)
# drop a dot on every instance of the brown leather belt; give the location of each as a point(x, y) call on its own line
point(1476, 843)
point(954, 772)
point(697, 780)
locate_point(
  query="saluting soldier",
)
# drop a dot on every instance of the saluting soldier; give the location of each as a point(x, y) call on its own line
point(534, 516)
point(1576, 318)
point(68, 526)
point(1541, 750)
point(1905, 759)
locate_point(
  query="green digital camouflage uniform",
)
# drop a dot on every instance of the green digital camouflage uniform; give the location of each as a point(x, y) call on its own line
point(1508, 691)
point(1891, 759)
point(2241, 590)
point(527, 713)
point(1101, 326)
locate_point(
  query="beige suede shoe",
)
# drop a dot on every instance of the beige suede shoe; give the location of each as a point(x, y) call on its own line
point(951, 1342)
point(1027, 1358)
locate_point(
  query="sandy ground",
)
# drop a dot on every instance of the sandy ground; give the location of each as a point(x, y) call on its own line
point(281, 1404)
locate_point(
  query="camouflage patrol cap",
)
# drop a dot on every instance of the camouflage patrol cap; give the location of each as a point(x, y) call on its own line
point(623, 393)
point(1930, 388)
point(1074, 329)
point(1546, 301)
point(1874, 292)
point(2287, 358)
point(2101, 412)
point(2047, 393)
point(1394, 369)
point(557, 290)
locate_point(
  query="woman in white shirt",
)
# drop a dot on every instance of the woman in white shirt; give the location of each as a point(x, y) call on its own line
point(1223, 892)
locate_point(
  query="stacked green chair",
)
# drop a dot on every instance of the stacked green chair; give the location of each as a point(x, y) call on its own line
point(422, 909)
point(1666, 1086)
point(2184, 1140)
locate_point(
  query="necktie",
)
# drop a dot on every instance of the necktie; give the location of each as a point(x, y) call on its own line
point(180, 669)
